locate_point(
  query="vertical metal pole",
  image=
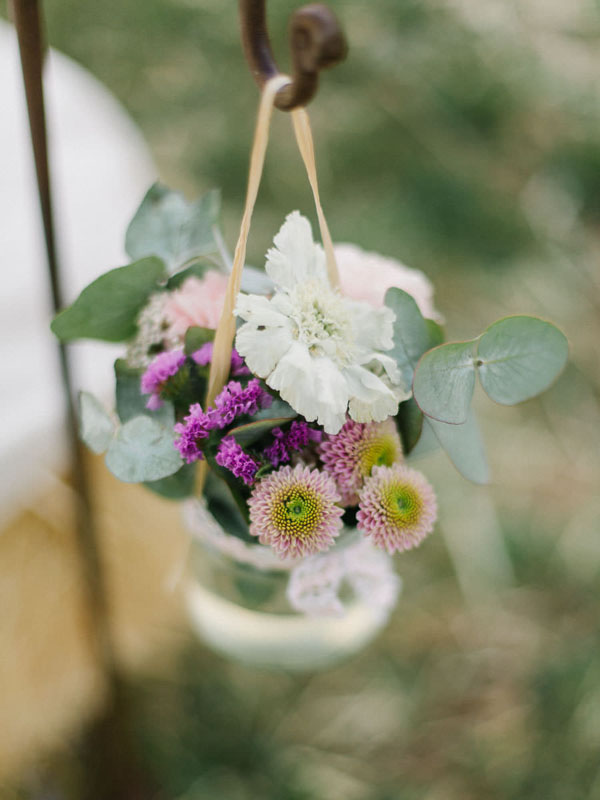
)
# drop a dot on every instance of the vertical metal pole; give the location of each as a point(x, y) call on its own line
point(112, 768)
point(27, 19)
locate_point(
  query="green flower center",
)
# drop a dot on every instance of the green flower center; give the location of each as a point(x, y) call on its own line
point(297, 512)
point(379, 452)
point(402, 505)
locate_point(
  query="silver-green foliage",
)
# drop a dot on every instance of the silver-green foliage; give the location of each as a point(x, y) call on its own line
point(515, 359)
point(141, 449)
point(167, 226)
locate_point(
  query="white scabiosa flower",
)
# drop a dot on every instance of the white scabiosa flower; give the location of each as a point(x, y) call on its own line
point(322, 352)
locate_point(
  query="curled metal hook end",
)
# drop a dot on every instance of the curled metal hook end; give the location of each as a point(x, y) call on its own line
point(316, 41)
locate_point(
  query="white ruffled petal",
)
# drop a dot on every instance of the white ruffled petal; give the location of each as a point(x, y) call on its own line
point(295, 380)
point(373, 327)
point(295, 257)
point(333, 395)
point(372, 400)
point(262, 347)
point(258, 310)
point(314, 387)
point(390, 367)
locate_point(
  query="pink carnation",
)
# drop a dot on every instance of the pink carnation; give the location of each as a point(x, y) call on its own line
point(368, 276)
point(197, 302)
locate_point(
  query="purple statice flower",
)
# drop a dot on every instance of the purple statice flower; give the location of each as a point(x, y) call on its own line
point(203, 356)
point(277, 453)
point(235, 401)
point(238, 365)
point(196, 426)
point(163, 367)
point(299, 436)
point(231, 456)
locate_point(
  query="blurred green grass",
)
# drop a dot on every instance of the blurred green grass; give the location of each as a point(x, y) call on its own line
point(462, 138)
point(425, 135)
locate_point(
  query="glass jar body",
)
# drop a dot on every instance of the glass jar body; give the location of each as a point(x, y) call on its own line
point(249, 606)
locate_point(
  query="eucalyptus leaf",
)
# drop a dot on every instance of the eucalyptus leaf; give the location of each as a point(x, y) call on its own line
point(177, 486)
point(444, 381)
point(143, 450)
point(519, 357)
point(131, 402)
point(250, 433)
point(167, 226)
point(409, 421)
point(278, 408)
point(107, 309)
point(427, 444)
point(234, 490)
point(221, 505)
point(195, 337)
point(96, 425)
point(464, 447)
point(196, 270)
point(411, 335)
point(435, 333)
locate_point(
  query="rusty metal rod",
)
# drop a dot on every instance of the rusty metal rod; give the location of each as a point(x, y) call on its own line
point(108, 751)
point(316, 42)
point(27, 18)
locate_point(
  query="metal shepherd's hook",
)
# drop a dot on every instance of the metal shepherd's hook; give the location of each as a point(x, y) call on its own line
point(316, 42)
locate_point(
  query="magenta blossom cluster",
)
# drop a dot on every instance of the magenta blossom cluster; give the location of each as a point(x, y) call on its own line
point(297, 437)
point(231, 456)
point(203, 357)
point(166, 365)
point(163, 367)
point(232, 402)
point(235, 401)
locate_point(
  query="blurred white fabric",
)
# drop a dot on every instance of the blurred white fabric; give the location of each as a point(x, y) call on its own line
point(101, 168)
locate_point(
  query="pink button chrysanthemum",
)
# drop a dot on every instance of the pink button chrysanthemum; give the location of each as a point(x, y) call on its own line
point(350, 455)
point(397, 508)
point(295, 511)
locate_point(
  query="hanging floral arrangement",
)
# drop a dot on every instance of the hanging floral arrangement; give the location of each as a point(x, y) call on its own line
point(288, 401)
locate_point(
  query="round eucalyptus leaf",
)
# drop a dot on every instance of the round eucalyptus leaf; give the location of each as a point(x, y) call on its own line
point(177, 486)
point(409, 421)
point(444, 381)
point(167, 226)
point(519, 357)
point(464, 447)
point(96, 425)
point(107, 309)
point(131, 402)
point(411, 334)
point(143, 450)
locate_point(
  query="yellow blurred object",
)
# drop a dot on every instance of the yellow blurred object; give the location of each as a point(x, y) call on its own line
point(50, 685)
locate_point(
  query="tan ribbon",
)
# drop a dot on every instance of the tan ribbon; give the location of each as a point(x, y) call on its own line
point(225, 333)
point(307, 151)
point(221, 359)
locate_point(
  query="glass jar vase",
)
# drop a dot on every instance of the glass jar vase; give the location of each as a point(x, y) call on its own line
point(306, 614)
